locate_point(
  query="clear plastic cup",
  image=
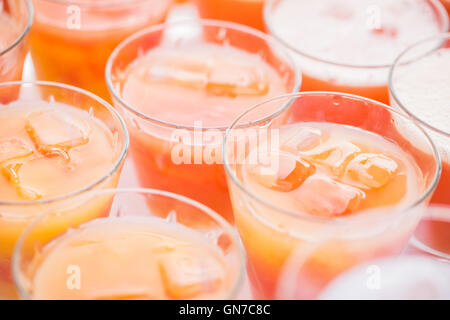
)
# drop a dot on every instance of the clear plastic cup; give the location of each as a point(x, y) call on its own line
point(418, 85)
point(156, 139)
point(16, 17)
point(271, 232)
point(72, 40)
point(190, 252)
point(16, 215)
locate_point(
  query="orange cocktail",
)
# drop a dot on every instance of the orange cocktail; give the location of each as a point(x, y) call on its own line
point(16, 17)
point(348, 46)
point(418, 85)
point(72, 40)
point(330, 168)
point(133, 253)
point(248, 12)
point(179, 86)
point(56, 142)
point(446, 4)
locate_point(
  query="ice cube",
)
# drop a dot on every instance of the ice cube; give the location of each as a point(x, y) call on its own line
point(11, 173)
point(284, 172)
point(28, 193)
point(237, 80)
point(54, 133)
point(334, 155)
point(371, 170)
point(320, 195)
point(302, 139)
point(213, 75)
point(14, 148)
point(186, 275)
point(191, 73)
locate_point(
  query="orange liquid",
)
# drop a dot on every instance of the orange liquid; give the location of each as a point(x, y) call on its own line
point(365, 38)
point(77, 54)
point(329, 171)
point(131, 258)
point(378, 93)
point(207, 83)
point(446, 4)
point(48, 150)
point(248, 12)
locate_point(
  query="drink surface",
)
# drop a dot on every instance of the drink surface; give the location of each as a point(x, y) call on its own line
point(204, 82)
point(132, 258)
point(51, 149)
point(354, 32)
point(331, 170)
point(422, 87)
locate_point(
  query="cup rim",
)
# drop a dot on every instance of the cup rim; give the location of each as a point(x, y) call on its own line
point(441, 12)
point(445, 36)
point(144, 191)
point(202, 22)
point(102, 102)
point(341, 220)
point(25, 31)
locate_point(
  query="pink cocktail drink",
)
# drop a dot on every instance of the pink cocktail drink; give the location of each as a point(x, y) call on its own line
point(179, 86)
point(72, 40)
